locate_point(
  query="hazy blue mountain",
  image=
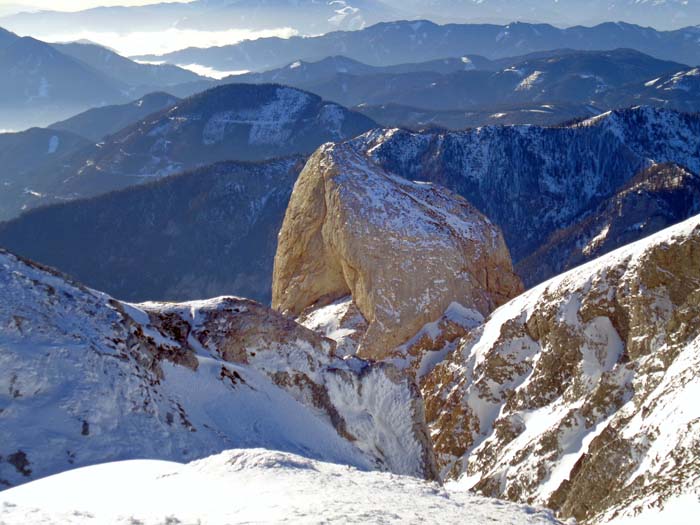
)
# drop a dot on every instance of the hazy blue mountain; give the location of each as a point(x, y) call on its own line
point(139, 76)
point(230, 122)
point(302, 73)
point(305, 16)
point(206, 233)
point(43, 83)
point(313, 17)
point(658, 197)
point(6, 37)
point(663, 14)
point(542, 88)
point(573, 78)
point(97, 123)
point(169, 239)
point(418, 41)
point(28, 152)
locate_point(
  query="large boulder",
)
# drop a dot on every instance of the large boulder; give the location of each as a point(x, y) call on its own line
point(405, 251)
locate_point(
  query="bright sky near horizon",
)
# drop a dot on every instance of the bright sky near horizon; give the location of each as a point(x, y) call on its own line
point(77, 5)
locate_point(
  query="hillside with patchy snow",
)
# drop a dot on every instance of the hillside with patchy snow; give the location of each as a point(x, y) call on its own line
point(532, 181)
point(230, 122)
point(581, 394)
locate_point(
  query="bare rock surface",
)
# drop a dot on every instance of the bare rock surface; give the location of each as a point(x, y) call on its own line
point(581, 394)
point(404, 251)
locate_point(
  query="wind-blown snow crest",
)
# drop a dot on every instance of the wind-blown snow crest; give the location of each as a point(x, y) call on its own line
point(249, 486)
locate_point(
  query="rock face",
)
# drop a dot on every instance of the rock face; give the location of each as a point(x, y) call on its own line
point(404, 251)
point(532, 181)
point(581, 394)
point(87, 379)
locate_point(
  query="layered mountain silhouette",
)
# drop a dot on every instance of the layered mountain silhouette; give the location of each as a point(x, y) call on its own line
point(230, 122)
point(533, 182)
point(417, 41)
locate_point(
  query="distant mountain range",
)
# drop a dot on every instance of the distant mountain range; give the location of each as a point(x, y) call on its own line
point(663, 14)
point(405, 41)
point(96, 123)
point(564, 194)
point(311, 17)
point(542, 88)
point(47, 82)
point(398, 74)
point(230, 122)
point(305, 16)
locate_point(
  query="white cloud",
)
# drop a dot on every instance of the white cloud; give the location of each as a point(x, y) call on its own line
point(159, 42)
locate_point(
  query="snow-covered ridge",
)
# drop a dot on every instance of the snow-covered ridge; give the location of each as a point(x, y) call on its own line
point(88, 379)
point(248, 486)
point(532, 181)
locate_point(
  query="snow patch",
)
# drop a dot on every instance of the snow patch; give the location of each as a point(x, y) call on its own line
point(54, 142)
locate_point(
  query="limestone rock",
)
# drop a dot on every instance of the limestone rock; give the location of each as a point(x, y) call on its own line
point(404, 251)
point(581, 394)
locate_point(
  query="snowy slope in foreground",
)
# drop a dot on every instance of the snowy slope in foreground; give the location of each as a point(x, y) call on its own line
point(248, 486)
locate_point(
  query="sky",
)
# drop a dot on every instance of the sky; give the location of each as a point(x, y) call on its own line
point(77, 5)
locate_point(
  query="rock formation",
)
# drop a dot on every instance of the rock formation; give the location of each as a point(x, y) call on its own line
point(532, 181)
point(87, 379)
point(403, 251)
point(581, 393)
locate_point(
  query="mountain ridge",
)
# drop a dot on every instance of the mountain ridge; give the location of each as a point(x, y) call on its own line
point(398, 42)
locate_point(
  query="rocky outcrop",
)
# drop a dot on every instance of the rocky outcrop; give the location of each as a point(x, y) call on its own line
point(304, 363)
point(532, 181)
point(581, 393)
point(87, 379)
point(403, 251)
